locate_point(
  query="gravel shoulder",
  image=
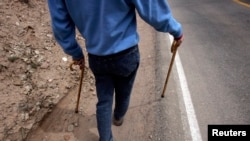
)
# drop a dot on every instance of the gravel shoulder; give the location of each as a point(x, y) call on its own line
point(34, 77)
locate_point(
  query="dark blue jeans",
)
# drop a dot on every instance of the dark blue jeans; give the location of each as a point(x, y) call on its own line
point(113, 74)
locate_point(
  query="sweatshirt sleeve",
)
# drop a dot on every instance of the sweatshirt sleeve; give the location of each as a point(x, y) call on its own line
point(64, 29)
point(158, 14)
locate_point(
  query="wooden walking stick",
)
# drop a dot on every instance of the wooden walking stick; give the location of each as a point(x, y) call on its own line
point(173, 50)
point(80, 87)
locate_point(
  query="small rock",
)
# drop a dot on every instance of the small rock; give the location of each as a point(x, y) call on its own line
point(70, 128)
point(40, 58)
point(21, 32)
point(18, 83)
point(49, 35)
point(65, 91)
point(150, 136)
point(25, 60)
point(66, 137)
point(65, 59)
point(17, 23)
point(23, 107)
point(27, 89)
point(47, 48)
point(76, 124)
point(94, 131)
point(29, 126)
point(57, 96)
point(24, 116)
point(44, 65)
point(23, 77)
point(68, 86)
point(42, 85)
point(38, 108)
point(38, 104)
point(45, 138)
point(37, 52)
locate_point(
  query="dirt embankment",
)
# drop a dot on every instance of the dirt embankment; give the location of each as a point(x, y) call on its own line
point(34, 72)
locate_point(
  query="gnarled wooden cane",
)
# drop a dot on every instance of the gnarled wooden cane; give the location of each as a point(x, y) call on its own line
point(173, 50)
point(80, 87)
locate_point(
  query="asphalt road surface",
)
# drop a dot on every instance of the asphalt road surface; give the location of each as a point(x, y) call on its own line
point(215, 57)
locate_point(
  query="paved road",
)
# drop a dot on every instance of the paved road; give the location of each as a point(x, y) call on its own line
point(216, 59)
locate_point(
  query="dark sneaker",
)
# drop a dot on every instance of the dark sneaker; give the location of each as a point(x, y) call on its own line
point(118, 122)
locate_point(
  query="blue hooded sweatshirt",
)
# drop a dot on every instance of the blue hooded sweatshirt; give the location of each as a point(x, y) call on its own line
point(108, 26)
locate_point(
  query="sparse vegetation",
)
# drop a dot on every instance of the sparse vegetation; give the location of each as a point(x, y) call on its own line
point(13, 58)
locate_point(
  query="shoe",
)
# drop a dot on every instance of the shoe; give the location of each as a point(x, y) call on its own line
point(118, 122)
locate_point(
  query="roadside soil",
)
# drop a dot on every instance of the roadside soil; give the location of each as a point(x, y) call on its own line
point(34, 72)
point(39, 92)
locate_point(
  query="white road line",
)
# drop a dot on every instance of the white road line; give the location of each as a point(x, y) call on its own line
point(192, 120)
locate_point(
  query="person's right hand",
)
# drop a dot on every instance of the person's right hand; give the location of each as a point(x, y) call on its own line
point(176, 43)
point(80, 63)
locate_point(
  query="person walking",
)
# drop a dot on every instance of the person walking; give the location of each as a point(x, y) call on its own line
point(111, 39)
